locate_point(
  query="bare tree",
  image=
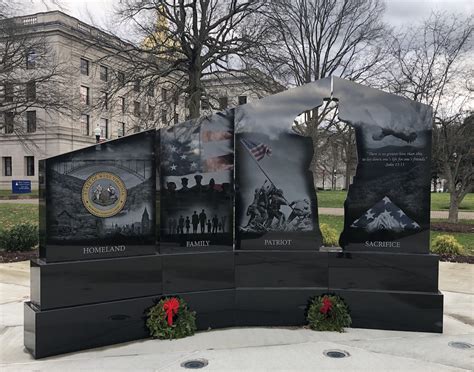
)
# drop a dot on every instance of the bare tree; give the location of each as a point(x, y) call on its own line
point(453, 138)
point(429, 60)
point(314, 39)
point(430, 64)
point(178, 43)
point(319, 38)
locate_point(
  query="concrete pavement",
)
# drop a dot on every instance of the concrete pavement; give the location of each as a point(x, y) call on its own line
point(258, 349)
point(434, 214)
point(19, 201)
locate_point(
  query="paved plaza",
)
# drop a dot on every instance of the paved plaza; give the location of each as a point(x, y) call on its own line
point(259, 349)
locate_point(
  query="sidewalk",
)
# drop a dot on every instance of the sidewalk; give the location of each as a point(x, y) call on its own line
point(259, 349)
point(434, 214)
point(325, 211)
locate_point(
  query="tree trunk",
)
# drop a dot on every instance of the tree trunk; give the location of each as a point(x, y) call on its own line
point(347, 181)
point(195, 91)
point(453, 207)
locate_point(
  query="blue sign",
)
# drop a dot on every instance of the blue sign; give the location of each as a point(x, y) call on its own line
point(21, 186)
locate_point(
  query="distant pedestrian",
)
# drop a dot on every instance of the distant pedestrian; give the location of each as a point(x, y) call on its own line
point(209, 226)
point(97, 132)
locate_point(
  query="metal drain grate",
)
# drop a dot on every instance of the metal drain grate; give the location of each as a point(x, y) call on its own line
point(194, 364)
point(460, 345)
point(336, 354)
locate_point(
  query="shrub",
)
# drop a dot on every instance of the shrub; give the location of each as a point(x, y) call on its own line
point(446, 244)
point(330, 238)
point(328, 313)
point(23, 237)
point(171, 322)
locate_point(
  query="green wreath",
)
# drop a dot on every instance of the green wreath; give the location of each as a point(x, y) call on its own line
point(170, 319)
point(328, 313)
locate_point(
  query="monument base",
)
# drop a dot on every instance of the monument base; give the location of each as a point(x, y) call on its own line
point(57, 331)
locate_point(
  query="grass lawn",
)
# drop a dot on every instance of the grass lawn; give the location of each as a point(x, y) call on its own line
point(335, 199)
point(9, 193)
point(439, 201)
point(12, 214)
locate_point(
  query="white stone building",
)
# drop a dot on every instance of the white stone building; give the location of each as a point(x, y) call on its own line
point(49, 132)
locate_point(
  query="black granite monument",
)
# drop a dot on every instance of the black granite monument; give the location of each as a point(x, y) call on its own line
point(158, 213)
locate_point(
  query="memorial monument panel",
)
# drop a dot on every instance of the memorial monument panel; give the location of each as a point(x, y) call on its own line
point(388, 203)
point(99, 201)
point(196, 176)
point(276, 206)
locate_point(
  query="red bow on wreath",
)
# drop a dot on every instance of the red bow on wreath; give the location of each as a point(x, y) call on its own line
point(327, 306)
point(171, 307)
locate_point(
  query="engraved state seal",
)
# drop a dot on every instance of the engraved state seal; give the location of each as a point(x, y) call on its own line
point(104, 194)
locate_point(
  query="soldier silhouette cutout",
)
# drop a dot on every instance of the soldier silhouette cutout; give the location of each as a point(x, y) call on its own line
point(184, 185)
point(198, 187)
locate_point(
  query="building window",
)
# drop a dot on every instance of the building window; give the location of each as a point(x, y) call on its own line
point(85, 124)
point(164, 94)
point(176, 118)
point(84, 67)
point(121, 130)
point(104, 73)
point(205, 103)
point(150, 90)
point(136, 108)
point(85, 97)
point(8, 92)
point(242, 100)
point(223, 103)
point(105, 97)
point(7, 166)
point(31, 121)
point(104, 128)
point(9, 122)
point(186, 101)
point(122, 104)
point(31, 59)
point(31, 90)
point(176, 99)
point(151, 112)
point(164, 114)
point(121, 77)
point(30, 165)
point(136, 86)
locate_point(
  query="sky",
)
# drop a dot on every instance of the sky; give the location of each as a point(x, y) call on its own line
point(398, 12)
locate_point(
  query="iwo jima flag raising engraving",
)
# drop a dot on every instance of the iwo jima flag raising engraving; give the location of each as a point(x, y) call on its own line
point(268, 209)
point(196, 179)
point(258, 150)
